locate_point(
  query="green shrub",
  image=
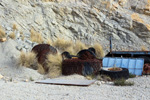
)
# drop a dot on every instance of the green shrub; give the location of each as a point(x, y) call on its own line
point(123, 82)
point(132, 75)
point(31, 79)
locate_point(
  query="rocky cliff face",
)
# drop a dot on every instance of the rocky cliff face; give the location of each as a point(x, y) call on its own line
point(127, 21)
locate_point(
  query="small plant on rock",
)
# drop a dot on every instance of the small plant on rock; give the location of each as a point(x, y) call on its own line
point(15, 27)
point(132, 75)
point(22, 35)
point(48, 0)
point(11, 80)
point(12, 35)
point(36, 37)
point(2, 33)
point(62, 44)
point(31, 79)
point(143, 48)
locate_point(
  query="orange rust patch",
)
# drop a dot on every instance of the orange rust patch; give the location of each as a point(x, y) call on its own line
point(115, 69)
point(74, 57)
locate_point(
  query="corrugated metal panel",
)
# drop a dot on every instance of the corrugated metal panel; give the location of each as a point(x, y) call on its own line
point(134, 65)
point(131, 52)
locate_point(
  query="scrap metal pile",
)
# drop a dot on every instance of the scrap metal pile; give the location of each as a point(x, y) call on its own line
point(85, 63)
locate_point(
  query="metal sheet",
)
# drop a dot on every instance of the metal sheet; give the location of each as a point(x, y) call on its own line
point(67, 82)
point(131, 52)
point(134, 65)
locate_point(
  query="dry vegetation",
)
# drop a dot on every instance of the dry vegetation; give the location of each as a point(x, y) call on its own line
point(36, 37)
point(28, 60)
point(40, 69)
point(62, 44)
point(2, 33)
point(15, 27)
point(12, 35)
point(143, 48)
point(54, 63)
point(22, 36)
point(68, 45)
point(49, 41)
point(79, 46)
point(48, 0)
point(21, 33)
point(99, 50)
point(71, 50)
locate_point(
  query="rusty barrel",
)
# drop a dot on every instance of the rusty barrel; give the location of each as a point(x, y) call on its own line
point(82, 67)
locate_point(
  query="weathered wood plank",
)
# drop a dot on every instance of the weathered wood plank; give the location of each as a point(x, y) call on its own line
point(67, 82)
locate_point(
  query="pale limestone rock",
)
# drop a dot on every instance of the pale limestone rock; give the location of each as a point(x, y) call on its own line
point(39, 19)
point(127, 20)
point(1, 76)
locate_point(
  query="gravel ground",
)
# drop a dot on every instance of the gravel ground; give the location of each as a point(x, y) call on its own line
point(97, 91)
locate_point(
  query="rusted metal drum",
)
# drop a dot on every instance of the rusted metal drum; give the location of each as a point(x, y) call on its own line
point(146, 69)
point(42, 50)
point(82, 67)
point(86, 54)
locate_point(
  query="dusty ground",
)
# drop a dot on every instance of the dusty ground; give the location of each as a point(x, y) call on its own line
point(97, 91)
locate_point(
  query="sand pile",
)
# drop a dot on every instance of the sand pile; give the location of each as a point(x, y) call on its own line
point(9, 68)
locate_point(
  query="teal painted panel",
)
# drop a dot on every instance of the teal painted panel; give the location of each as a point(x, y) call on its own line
point(134, 65)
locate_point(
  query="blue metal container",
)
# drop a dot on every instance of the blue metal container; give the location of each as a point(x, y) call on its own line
point(134, 65)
